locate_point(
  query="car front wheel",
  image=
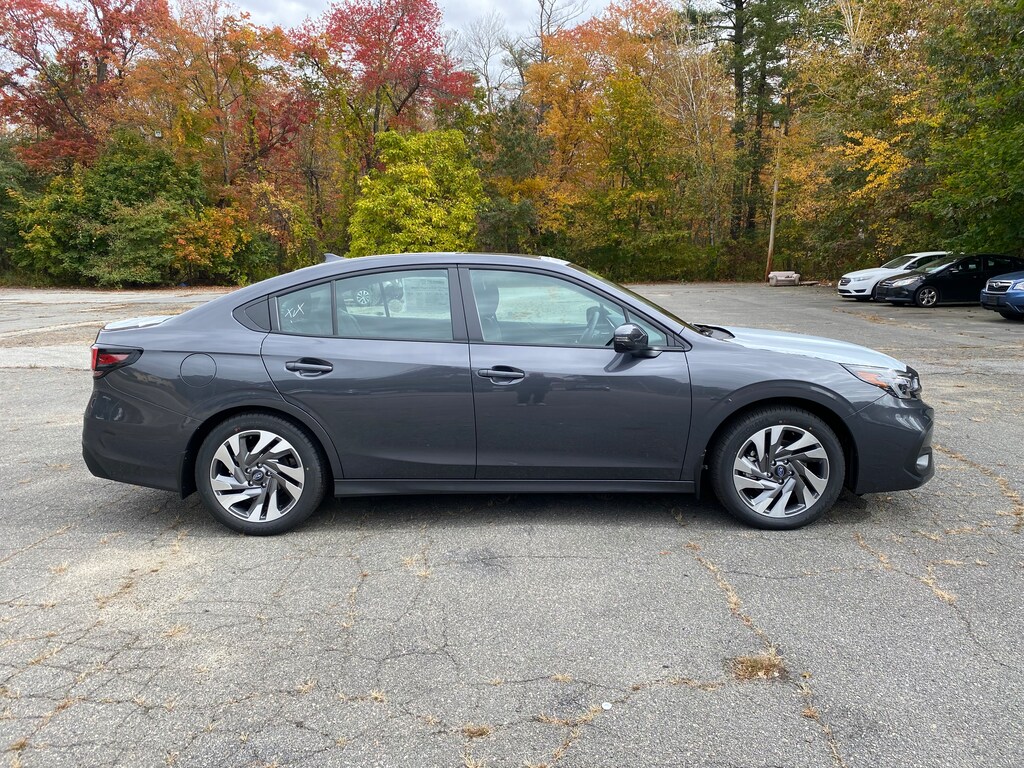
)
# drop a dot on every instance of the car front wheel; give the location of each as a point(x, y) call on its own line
point(260, 474)
point(926, 296)
point(778, 468)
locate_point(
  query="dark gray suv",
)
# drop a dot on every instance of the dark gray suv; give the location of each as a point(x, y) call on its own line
point(489, 373)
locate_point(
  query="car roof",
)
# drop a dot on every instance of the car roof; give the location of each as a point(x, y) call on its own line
point(339, 267)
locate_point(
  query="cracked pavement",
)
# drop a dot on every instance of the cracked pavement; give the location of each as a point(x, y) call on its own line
point(579, 631)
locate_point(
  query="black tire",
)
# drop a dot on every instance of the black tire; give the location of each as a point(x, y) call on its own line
point(268, 495)
point(927, 296)
point(863, 298)
point(1012, 316)
point(741, 434)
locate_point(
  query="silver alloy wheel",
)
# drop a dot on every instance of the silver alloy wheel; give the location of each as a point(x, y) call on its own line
point(781, 471)
point(927, 296)
point(257, 476)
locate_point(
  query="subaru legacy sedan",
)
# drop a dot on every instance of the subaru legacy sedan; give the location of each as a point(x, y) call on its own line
point(489, 374)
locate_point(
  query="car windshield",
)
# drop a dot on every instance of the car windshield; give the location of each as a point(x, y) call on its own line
point(642, 299)
point(896, 263)
point(935, 266)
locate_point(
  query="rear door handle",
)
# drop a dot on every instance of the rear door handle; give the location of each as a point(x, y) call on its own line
point(309, 367)
point(501, 373)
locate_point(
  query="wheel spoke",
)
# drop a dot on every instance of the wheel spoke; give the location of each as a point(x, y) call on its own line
point(266, 439)
point(816, 482)
point(273, 511)
point(227, 483)
point(762, 502)
point(753, 484)
point(774, 441)
point(778, 509)
point(746, 466)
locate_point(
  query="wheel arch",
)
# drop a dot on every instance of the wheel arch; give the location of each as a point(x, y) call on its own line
point(830, 416)
point(319, 437)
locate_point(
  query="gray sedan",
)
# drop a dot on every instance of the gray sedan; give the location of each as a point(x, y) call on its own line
point(489, 373)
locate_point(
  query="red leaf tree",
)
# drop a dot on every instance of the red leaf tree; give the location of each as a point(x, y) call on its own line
point(388, 58)
point(62, 64)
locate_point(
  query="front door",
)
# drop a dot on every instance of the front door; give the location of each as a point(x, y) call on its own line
point(375, 359)
point(553, 400)
point(964, 282)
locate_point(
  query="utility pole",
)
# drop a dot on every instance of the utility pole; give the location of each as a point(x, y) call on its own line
point(775, 197)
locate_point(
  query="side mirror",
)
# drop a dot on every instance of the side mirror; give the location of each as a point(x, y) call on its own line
point(631, 338)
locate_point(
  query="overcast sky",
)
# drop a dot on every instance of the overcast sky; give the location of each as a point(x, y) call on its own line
point(457, 13)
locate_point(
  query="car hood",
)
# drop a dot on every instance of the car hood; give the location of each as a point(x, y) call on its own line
point(901, 275)
point(872, 272)
point(812, 346)
point(1009, 276)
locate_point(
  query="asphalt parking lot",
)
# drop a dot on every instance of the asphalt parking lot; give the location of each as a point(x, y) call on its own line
point(583, 631)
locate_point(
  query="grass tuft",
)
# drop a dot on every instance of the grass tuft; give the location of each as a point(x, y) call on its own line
point(761, 666)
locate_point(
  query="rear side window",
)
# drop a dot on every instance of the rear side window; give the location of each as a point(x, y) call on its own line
point(1001, 263)
point(306, 311)
point(412, 304)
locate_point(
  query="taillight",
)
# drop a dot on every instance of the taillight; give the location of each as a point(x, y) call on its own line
point(107, 359)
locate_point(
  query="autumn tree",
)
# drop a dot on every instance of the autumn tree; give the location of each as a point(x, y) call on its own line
point(386, 60)
point(424, 198)
point(65, 64)
point(977, 156)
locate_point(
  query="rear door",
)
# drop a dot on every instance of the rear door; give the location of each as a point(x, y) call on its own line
point(1000, 265)
point(553, 400)
point(382, 362)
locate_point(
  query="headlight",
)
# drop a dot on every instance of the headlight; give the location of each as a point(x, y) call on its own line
point(905, 281)
point(1018, 286)
point(905, 385)
point(859, 279)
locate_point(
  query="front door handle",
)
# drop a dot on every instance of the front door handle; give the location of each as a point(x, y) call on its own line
point(309, 366)
point(502, 374)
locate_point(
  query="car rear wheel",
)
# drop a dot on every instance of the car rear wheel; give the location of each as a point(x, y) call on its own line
point(926, 296)
point(260, 474)
point(778, 468)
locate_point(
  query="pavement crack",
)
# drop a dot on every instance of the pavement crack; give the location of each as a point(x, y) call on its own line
point(1005, 488)
point(771, 662)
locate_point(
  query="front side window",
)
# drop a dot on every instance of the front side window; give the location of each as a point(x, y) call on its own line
point(527, 308)
point(408, 304)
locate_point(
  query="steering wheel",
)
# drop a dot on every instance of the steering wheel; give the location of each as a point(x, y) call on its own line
point(595, 314)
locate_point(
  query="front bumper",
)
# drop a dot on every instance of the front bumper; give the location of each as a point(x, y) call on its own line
point(852, 290)
point(1011, 301)
point(897, 294)
point(894, 441)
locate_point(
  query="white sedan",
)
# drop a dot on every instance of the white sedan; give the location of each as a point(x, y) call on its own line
point(861, 284)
